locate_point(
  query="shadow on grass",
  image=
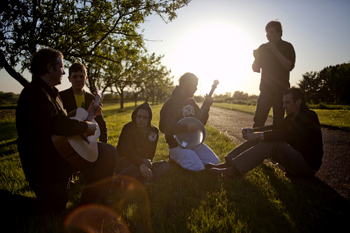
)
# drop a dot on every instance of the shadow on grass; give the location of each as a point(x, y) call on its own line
point(15, 209)
point(9, 147)
point(314, 207)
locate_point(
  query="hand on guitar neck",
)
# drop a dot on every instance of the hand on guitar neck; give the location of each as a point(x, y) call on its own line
point(208, 101)
point(97, 108)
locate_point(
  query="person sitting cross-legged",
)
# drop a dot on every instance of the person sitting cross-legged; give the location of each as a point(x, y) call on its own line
point(136, 149)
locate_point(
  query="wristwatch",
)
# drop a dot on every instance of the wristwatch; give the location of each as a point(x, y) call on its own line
point(262, 136)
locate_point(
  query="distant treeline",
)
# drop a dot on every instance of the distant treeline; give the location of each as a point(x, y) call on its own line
point(330, 85)
point(8, 98)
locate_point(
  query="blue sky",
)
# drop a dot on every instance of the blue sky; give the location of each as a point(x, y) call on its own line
point(215, 40)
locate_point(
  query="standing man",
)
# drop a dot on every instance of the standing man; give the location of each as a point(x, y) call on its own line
point(137, 146)
point(295, 143)
point(181, 104)
point(76, 96)
point(40, 115)
point(275, 59)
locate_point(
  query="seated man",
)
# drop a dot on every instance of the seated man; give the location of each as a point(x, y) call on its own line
point(295, 143)
point(40, 115)
point(137, 146)
point(75, 96)
point(181, 104)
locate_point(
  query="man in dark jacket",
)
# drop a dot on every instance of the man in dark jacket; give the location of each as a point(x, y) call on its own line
point(180, 105)
point(137, 146)
point(275, 59)
point(295, 143)
point(40, 115)
point(76, 96)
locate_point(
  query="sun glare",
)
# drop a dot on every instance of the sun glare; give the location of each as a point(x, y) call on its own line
point(215, 52)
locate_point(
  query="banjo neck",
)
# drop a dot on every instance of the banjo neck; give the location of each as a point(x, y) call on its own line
point(205, 104)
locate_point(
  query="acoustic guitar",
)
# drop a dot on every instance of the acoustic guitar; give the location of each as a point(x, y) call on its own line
point(78, 150)
point(191, 140)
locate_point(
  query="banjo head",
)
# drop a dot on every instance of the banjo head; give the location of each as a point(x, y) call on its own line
point(191, 140)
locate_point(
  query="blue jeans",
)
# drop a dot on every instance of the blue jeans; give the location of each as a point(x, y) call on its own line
point(252, 153)
point(194, 160)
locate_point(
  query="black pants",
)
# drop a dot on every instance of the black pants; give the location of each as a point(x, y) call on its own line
point(265, 102)
point(52, 195)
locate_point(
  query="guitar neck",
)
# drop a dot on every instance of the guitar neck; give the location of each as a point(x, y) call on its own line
point(205, 104)
point(92, 113)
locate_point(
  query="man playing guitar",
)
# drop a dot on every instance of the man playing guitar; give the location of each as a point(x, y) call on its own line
point(40, 115)
point(76, 96)
point(180, 105)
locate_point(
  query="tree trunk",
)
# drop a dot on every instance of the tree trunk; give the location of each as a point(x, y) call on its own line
point(122, 100)
point(135, 95)
point(24, 82)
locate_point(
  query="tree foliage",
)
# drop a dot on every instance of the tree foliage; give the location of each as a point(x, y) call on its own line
point(330, 85)
point(82, 30)
point(240, 95)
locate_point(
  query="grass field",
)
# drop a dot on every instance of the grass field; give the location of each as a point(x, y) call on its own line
point(264, 200)
point(336, 118)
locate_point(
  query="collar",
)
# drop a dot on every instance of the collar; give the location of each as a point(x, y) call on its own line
point(52, 91)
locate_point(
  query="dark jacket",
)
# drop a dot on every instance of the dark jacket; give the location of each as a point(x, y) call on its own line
point(69, 104)
point(134, 144)
point(39, 115)
point(302, 132)
point(273, 76)
point(174, 109)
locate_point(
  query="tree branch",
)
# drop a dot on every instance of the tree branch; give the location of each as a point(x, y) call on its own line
point(24, 82)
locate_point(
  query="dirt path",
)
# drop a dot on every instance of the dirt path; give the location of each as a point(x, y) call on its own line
point(335, 169)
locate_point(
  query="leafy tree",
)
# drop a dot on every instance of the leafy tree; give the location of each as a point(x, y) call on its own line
point(157, 80)
point(330, 85)
point(240, 95)
point(310, 85)
point(82, 29)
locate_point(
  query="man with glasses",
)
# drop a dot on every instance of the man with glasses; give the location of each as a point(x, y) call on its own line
point(39, 116)
point(136, 149)
point(275, 59)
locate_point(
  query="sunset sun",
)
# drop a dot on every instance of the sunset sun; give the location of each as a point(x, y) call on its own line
point(215, 52)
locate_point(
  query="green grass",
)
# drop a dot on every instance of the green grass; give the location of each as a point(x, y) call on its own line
point(335, 118)
point(264, 200)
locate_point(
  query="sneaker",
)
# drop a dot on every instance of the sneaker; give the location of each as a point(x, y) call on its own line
point(221, 165)
point(225, 172)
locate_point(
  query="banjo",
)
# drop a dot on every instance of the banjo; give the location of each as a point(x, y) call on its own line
point(78, 150)
point(191, 140)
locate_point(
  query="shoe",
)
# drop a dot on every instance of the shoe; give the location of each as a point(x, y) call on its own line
point(225, 172)
point(221, 165)
point(117, 185)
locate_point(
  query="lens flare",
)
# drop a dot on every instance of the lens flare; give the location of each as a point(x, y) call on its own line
point(94, 218)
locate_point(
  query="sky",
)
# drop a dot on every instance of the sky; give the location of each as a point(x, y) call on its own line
point(215, 40)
